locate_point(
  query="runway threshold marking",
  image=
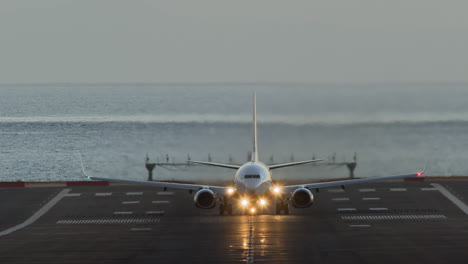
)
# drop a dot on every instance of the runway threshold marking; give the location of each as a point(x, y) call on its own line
point(38, 214)
point(251, 245)
point(451, 197)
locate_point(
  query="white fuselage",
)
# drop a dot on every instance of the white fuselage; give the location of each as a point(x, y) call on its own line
point(253, 178)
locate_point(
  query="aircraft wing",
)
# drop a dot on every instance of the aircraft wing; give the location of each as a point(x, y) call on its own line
point(228, 166)
point(291, 188)
point(277, 166)
point(194, 187)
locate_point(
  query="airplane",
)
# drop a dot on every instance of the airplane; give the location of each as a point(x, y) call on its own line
point(253, 187)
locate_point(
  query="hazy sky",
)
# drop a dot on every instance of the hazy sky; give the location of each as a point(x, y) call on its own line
point(235, 40)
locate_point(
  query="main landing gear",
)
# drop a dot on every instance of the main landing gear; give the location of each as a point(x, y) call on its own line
point(282, 206)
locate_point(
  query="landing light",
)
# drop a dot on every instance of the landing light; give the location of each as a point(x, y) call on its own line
point(253, 210)
point(262, 202)
point(230, 190)
point(244, 202)
point(276, 190)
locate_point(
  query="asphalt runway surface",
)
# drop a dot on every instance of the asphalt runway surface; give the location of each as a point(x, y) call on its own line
point(392, 222)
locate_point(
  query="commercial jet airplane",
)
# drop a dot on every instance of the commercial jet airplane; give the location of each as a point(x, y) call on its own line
point(253, 188)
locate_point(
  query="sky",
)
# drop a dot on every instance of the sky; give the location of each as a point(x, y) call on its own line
point(348, 41)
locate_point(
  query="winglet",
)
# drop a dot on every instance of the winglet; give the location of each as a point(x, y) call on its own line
point(82, 167)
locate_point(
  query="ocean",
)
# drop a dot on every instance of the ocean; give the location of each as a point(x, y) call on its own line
point(393, 129)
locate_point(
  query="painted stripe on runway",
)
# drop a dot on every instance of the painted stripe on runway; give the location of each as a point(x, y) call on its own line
point(367, 190)
point(340, 199)
point(251, 244)
point(391, 217)
point(141, 229)
point(123, 213)
point(155, 212)
point(160, 202)
point(102, 194)
point(379, 209)
point(370, 198)
point(135, 193)
point(72, 194)
point(165, 193)
point(38, 214)
point(335, 190)
point(359, 225)
point(131, 202)
point(398, 189)
point(428, 189)
point(108, 221)
point(346, 209)
point(451, 197)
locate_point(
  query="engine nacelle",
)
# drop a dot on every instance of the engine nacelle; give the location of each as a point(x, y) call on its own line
point(205, 199)
point(302, 198)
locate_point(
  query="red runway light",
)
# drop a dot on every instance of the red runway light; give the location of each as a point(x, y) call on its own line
point(419, 174)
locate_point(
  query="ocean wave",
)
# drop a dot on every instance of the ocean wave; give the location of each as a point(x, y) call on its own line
point(322, 119)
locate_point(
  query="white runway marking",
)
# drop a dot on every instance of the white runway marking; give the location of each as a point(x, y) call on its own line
point(370, 198)
point(451, 197)
point(398, 189)
point(359, 225)
point(72, 194)
point(428, 189)
point(340, 199)
point(165, 193)
point(160, 202)
point(131, 202)
point(102, 194)
point(109, 221)
point(141, 229)
point(346, 209)
point(335, 190)
point(38, 214)
point(155, 212)
point(123, 213)
point(135, 193)
point(391, 217)
point(378, 209)
point(251, 245)
point(367, 190)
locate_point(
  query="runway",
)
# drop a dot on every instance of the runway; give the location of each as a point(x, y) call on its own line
point(391, 222)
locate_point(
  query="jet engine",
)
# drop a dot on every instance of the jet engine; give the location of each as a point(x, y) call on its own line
point(205, 199)
point(302, 198)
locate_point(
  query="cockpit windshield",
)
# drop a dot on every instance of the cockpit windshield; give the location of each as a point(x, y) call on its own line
point(252, 176)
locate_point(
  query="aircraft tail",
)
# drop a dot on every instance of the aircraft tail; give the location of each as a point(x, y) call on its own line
point(254, 127)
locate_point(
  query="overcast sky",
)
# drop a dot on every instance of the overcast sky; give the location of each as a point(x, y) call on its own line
point(233, 41)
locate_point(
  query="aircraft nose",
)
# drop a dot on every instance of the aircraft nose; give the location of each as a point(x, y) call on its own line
point(252, 185)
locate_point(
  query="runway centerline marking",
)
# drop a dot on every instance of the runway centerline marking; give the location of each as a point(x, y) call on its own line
point(102, 194)
point(131, 202)
point(160, 202)
point(398, 189)
point(451, 197)
point(165, 193)
point(335, 190)
point(370, 198)
point(367, 190)
point(135, 193)
point(251, 244)
point(38, 214)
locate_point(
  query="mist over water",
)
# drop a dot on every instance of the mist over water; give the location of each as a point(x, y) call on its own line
point(394, 128)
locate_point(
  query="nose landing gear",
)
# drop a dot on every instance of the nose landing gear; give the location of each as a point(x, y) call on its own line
point(282, 206)
point(225, 206)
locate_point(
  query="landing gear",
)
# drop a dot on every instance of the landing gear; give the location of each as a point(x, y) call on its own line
point(225, 207)
point(282, 206)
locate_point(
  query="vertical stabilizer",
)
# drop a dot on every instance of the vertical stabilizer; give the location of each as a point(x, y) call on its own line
point(254, 124)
